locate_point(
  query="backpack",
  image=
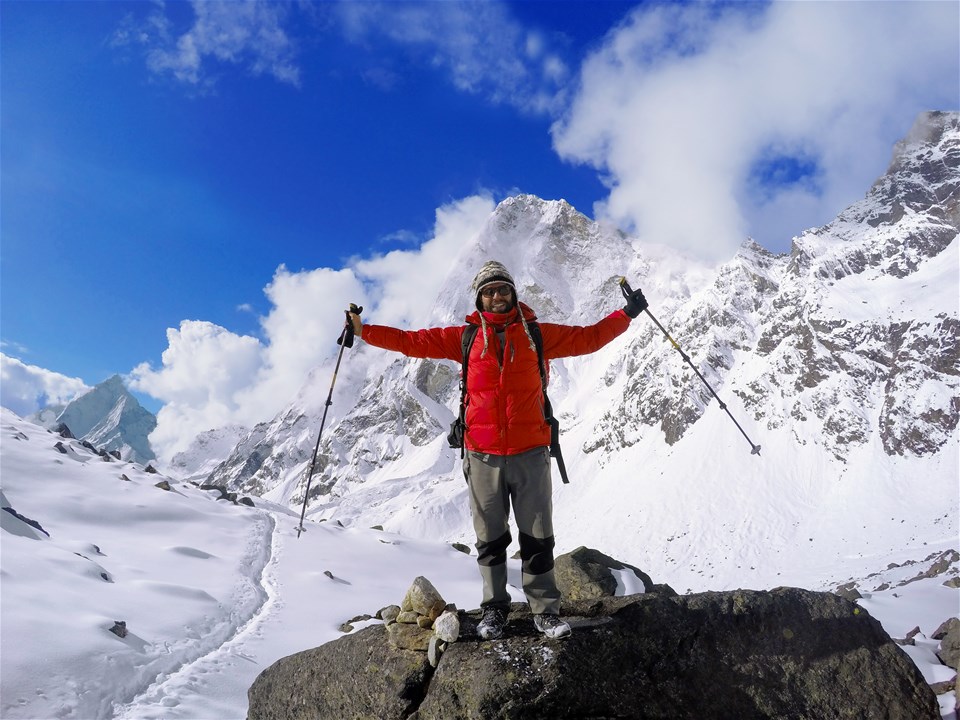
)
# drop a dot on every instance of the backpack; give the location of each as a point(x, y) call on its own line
point(457, 429)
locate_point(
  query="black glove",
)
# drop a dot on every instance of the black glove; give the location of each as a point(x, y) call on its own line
point(346, 336)
point(636, 303)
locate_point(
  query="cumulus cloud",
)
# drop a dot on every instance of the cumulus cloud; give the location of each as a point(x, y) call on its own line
point(25, 389)
point(711, 123)
point(240, 32)
point(210, 377)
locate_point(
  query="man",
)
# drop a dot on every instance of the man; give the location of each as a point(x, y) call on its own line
point(507, 437)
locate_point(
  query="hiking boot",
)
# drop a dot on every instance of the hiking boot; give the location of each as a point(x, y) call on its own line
point(551, 626)
point(492, 622)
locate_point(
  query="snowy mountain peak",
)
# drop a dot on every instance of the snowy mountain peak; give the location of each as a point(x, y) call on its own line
point(109, 417)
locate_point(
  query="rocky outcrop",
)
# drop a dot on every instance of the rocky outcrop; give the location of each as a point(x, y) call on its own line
point(785, 653)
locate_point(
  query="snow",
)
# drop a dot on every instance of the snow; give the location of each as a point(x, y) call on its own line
point(213, 593)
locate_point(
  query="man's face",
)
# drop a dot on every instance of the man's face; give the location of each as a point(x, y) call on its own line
point(497, 298)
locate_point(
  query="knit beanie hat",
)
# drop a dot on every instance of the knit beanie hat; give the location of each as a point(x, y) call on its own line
point(493, 273)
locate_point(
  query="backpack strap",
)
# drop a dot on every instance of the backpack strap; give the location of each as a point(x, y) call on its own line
point(458, 429)
point(554, 424)
point(456, 436)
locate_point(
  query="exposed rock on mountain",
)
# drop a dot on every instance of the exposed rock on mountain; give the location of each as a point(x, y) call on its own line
point(786, 653)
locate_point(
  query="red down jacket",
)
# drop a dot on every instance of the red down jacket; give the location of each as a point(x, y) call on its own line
point(504, 397)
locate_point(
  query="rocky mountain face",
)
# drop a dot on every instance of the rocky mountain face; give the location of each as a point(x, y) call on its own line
point(109, 417)
point(843, 355)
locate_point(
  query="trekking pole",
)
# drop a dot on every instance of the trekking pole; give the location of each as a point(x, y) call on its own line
point(627, 292)
point(344, 341)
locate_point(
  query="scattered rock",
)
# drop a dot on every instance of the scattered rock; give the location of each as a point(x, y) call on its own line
point(124, 477)
point(119, 628)
point(586, 574)
point(849, 591)
point(163, 485)
point(116, 454)
point(60, 448)
point(949, 636)
point(348, 625)
point(23, 518)
point(389, 614)
point(939, 688)
point(151, 469)
point(461, 547)
point(246, 501)
point(63, 431)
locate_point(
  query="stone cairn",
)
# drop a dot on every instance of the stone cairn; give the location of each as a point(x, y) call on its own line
point(423, 621)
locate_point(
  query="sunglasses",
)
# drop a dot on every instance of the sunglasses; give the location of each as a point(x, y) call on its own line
point(501, 290)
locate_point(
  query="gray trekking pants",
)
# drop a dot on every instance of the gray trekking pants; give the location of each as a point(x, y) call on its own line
point(495, 481)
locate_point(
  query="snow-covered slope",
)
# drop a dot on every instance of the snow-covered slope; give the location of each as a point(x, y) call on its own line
point(211, 593)
point(841, 359)
point(206, 452)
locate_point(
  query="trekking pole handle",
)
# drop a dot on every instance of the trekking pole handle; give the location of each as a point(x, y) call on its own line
point(347, 334)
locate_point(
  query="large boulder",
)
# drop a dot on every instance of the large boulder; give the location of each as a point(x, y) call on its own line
point(784, 653)
point(587, 574)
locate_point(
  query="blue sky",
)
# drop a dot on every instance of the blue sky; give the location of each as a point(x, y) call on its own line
point(172, 162)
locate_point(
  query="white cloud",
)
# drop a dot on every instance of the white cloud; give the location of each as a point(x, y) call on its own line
point(25, 389)
point(239, 32)
point(681, 102)
point(203, 369)
point(210, 377)
point(480, 46)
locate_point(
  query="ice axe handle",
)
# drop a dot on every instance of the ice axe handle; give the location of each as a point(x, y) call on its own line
point(346, 336)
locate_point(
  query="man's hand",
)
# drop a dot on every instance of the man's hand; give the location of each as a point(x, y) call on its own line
point(356, 322)
point(636, 303)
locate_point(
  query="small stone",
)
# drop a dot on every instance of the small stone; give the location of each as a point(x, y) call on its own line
point(163, 485)
point(447, 626)
point(434, 651)
point(407, 617)
point(424, 622)
point(461, 547)
point(389, 614)
point(409, 637)
point(424, 599)
point(119, 628)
